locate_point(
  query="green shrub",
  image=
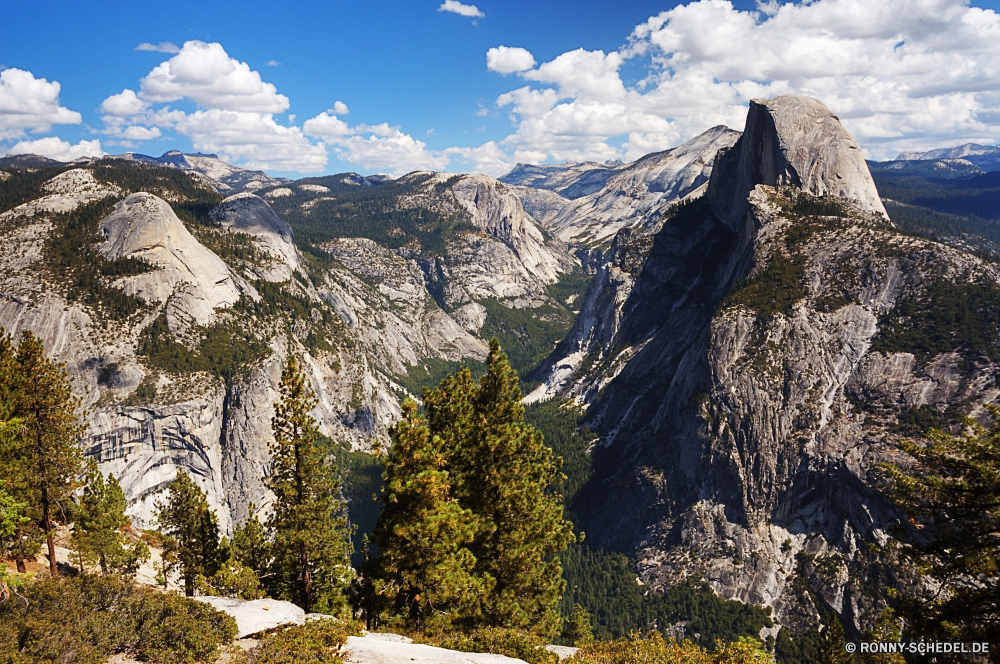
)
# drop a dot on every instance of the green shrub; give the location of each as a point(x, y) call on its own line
point(84, 620)
point(501, 641)
point(657, 650)
point(316, 642)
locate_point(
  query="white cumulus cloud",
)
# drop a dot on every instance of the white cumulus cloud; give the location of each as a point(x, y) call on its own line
point(488, 158)
point(509, 59)
point(339, 108)
point(124, 104)
point(30, 104)
point(326, 126)
point(58, 149)
point(205, 74)
point(900, 75)
point(162, 47)
point(254, 140)
point(456, 7)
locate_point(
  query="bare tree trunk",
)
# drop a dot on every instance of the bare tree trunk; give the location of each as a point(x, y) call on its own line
point(49, 539)
point(306, 581)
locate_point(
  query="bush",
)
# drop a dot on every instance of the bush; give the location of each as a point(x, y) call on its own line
point(500, 641)
point(318, 641)
point(657, 650)
point(86, 619)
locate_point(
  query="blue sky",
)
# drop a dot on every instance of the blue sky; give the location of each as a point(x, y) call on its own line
point(580, 80)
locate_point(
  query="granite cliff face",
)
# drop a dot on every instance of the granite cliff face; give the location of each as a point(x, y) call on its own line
point(637, 193)
point(749, 367)
point(361, 320)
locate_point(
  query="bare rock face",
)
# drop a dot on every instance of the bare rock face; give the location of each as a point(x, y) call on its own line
point(254, 617)
point(64, 193)
point(373, 649)
point(570, 180)
point(251, 215)
point(728, 396)
point(191, 280)
point(792, 140)
point(636, 194)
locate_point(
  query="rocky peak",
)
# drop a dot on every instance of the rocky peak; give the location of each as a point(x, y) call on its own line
point(250, 214)
point(791, 140)
point(635, 195)
point(191, 279)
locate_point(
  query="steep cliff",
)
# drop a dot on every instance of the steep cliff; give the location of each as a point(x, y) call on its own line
point(211, 295)
point(752, 361)
point(636, 194)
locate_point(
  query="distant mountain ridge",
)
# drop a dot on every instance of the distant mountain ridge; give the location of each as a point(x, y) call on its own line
point(225, 178)
point(985, 157)
point(570, 180)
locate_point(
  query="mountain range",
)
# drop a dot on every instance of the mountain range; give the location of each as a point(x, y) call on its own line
point(747, 323)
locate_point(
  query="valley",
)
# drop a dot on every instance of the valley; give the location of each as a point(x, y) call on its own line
point(724, 342)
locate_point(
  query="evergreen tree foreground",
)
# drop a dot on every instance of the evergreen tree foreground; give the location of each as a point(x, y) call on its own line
point(470, 526)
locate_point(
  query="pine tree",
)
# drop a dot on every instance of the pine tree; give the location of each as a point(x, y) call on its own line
point(577, 631)
point(953, 536)
point(425, 572)
point(192, 530)
point(501, 470)
point(251, 545)
point(886, 630)
point(19, 535)
point(99, 525)
point(312, 545)
point(49, 452)
point(831, 648)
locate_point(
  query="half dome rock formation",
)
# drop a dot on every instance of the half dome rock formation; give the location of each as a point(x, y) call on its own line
point(748, 367)
point(192, 280)
point(251, 215)
point(792, 140)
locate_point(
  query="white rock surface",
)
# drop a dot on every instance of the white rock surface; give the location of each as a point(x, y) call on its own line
point(570, 179)
point(191, 280)
point(562, 651)
point(371, 649)
point(251, 215)
point(636, 194)
point(791, 140)
point(257, 616)
point(65, 192)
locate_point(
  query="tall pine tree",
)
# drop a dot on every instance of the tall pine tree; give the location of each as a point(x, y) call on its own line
point(48, 454)
point(312, 545)
point(426, 573)
point(192, 531)
point(499, 470)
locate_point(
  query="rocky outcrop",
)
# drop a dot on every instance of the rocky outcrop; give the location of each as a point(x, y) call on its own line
point(208, 168)
point(257, 616)
point(730, 361)
point(797, 141)
point(190, 280)
point(357, 328)
point(637, 194)
point(251, 215)
point(374, 649)
point(570, 180)
point(64, 193)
